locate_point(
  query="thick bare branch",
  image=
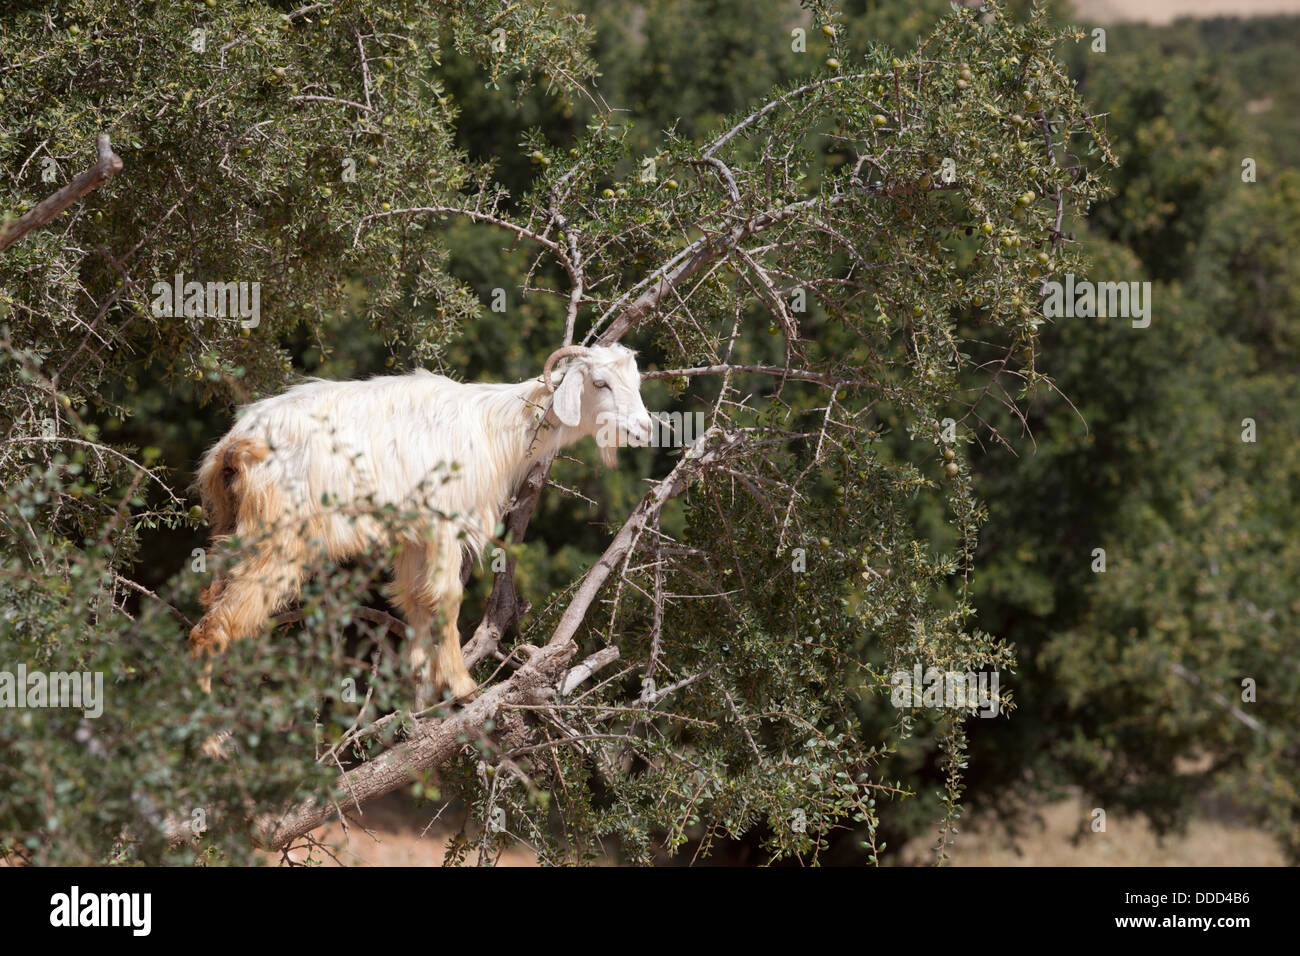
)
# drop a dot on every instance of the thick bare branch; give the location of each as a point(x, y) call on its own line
point(545, 672)
point(433, 742)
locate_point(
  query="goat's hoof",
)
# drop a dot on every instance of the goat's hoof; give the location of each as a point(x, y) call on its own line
point(463, 690)
point(216, 746)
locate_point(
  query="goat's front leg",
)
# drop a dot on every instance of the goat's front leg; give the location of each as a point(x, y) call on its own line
point(419, 655)
point(409, 592)
point(449, 669)
point(422, 583)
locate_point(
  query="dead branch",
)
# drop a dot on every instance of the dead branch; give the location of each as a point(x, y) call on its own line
point(106, 167)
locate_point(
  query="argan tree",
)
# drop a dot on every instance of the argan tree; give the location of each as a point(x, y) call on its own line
point(826, 270)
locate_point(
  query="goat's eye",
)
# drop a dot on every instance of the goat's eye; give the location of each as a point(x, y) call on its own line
point(600, 383)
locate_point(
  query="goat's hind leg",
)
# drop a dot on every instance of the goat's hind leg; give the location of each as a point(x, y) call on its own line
point(202, 639)
point(240, 604)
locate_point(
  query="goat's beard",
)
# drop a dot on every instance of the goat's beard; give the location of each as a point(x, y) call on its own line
point(608, 455)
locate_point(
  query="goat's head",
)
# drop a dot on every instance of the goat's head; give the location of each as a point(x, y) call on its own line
point(599, 393)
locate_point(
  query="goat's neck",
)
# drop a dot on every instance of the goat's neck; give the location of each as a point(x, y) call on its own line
point(537, 434)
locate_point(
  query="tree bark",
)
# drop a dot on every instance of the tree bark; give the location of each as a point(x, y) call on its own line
point(434, 742)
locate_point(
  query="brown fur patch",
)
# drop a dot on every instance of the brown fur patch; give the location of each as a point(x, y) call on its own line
point(211, 593)
point(203, 640)
point(220, 475)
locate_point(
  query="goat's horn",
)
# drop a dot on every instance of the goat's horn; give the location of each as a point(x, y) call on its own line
point(561, 353)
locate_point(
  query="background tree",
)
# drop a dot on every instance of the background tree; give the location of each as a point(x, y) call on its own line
point(1135, 676)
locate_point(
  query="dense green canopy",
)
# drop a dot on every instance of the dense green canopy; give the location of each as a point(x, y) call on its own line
point(828, 232)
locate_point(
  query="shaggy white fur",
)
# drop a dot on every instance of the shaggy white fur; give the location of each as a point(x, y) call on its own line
point(302, 475)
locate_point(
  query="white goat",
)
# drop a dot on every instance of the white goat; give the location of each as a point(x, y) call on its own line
point(301, 475)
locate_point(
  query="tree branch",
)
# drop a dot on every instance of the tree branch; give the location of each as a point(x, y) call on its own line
point(436, 740)
point(432, 742)
point(106, 167)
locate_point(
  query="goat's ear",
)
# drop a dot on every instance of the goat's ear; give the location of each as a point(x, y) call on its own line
point(568, 397)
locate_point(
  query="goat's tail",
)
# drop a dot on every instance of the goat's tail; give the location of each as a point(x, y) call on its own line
point(221, 476)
